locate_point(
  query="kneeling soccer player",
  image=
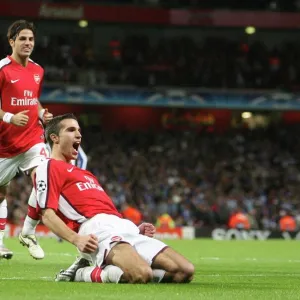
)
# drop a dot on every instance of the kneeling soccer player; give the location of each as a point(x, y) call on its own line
point(76, 208)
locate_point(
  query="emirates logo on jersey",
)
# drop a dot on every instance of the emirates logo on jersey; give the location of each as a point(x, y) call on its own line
point(89, 179)
point(37, 78)
point(88, 185)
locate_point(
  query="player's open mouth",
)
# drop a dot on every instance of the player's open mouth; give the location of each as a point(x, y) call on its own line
point(76, 146)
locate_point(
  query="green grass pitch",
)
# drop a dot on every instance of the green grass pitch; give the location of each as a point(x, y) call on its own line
point(224, 270)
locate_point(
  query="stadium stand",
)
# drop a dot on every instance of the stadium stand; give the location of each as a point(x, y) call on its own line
point(214, 62)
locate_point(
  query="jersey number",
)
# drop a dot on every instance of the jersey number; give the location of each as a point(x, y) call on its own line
point(43, 152)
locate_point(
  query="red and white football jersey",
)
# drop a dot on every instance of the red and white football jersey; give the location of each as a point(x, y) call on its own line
point(74, 194)
point(20, 89)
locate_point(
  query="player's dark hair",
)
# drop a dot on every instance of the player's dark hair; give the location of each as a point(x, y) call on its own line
point(54, 126)
point(16, 27)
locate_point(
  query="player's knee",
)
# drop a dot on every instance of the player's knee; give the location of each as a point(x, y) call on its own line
point(142, 275)
point(189, 271)
point(186, 273)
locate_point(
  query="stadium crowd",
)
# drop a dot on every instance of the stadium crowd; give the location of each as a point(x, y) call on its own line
point(199, 179)
point(171, 59)
point(215, 62)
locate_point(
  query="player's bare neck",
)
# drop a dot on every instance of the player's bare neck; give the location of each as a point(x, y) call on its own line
point(23, 61)
point(59, 156)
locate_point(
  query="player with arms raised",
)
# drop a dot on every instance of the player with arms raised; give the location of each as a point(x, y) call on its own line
point(22, 145)
point(76, 208)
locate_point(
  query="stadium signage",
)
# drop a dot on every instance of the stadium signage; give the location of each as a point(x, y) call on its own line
point(222, 234)
point(235, 234)
point(185, 232)
point(144, 15)
point(168, 233)
point(61, 12)
point(191, 17)
point(189, 98)
point(161, 233)
point(187, 120)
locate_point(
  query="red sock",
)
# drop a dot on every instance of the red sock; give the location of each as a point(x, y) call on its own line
point(95, 275)
point(32, 213)
point(2, 223)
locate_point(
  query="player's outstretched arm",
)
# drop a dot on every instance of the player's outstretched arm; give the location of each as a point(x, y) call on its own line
point(19, 119)
point(84, 243)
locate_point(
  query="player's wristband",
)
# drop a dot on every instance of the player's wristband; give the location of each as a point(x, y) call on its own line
point(41, 114)
point(7, 117)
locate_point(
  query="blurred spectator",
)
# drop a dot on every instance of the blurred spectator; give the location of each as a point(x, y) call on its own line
point(131, 213)
point(287, 222)
point(239, 220)
point(165, 221)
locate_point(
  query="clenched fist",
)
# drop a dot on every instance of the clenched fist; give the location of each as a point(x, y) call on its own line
point(147, 229)
point(47, 117)
point(86, 243)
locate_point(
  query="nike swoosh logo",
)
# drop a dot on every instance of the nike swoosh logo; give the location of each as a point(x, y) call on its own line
point(2, 224)
point(14, 81)
point(70, 170)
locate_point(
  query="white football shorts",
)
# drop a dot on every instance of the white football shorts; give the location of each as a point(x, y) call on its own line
point(111, 230)
point(9, 167)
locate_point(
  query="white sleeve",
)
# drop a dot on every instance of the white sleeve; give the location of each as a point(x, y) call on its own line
point(42, 183)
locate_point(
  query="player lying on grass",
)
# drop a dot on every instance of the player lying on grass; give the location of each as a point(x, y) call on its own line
point(76, 208)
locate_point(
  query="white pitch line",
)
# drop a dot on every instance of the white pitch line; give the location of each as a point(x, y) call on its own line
point(48, 278)
point(251, 259)
point(12, 278)
point(250, 275)
point(48, 254)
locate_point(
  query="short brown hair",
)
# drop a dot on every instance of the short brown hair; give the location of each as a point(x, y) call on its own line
point(16, 27)
point(54, 126)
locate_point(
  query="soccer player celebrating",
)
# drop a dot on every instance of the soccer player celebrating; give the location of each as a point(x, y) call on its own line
point(22, 145)
point(76, 208)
